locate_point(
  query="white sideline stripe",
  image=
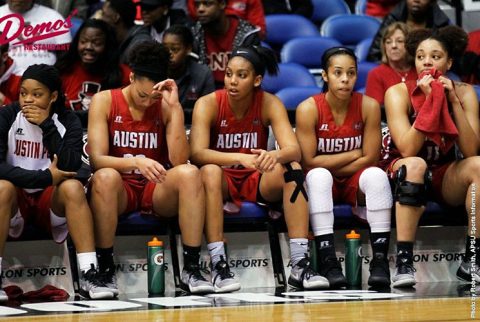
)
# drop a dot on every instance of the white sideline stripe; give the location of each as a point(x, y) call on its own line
point(4, 311)
point(175, 301)
point(75, 306)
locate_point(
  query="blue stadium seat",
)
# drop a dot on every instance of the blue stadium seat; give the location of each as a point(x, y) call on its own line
point(307, 51)
point(322, 9)
point(289, 74)
point(363, 69)
point(76, 23)
point(361, 7)
point(362, 48)
point(283, 27)
point(292, 96)
point(477, 89)
point(350, 29)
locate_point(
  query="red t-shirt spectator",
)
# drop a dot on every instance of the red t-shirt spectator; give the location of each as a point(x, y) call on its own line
point(9, 84)
point(250, 10)
point(219, 49)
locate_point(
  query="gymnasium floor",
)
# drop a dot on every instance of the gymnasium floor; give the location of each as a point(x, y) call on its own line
point(442, 301)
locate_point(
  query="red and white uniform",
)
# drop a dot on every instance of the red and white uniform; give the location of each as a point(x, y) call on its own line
point(232, 135)
point(333, 138)
point(130, 138)
point(437, 161)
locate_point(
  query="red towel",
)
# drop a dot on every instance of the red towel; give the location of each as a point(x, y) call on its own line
point(46, 293)
point(433, 117)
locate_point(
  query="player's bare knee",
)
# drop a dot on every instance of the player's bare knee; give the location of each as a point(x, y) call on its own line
point(105, 180)
point(416, 168)
point(72, 190)
point(7, 192)
point(473, 169)
point(211, 176)
point(188, 174)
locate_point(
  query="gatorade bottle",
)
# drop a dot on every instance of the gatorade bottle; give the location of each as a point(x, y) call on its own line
point(156, 270)
point(353, 259)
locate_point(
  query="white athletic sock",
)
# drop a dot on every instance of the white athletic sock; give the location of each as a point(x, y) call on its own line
point(86, 259)
point(298, 250)
point(216, 249)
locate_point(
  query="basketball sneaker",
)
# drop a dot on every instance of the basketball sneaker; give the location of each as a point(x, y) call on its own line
point(223, 279)
point(404, 274)
point(465, 273)
point(192, 281)
point(92, 285)
point(302, 276)
point(331, 269)
point(379, 271)
point(110, 280)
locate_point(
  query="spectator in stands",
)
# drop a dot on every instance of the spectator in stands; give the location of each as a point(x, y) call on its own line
point(90, 65)
point(9, 82)
point(217, 34)
point(297, 7)
point(40, 151)
point(120, 14)
point(416, 14)
point(428, 118)
point(339, 134)
point(193, 79)
point(33, 15)
point(249, 10)
point(65, 8)
point(229, 141)
point(380, 8)
point(127, 131)
point(158, 16)
point(469, 68)
point(397, 64)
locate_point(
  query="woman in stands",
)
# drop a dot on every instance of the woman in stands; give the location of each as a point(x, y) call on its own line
point(397, 65)
point(339, 134)
point(229, 141)
point(193, 79)
point(91, 64)
point(40, 151)
point(428, 119)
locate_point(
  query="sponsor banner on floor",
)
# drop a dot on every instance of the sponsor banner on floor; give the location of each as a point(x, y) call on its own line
point(33, 264)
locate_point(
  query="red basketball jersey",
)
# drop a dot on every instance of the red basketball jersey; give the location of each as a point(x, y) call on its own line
point(333, 138)
point(129, 138)
point(232, 135)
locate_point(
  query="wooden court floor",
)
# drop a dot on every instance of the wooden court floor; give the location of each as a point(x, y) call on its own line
point(435, 309)
point(442, 301)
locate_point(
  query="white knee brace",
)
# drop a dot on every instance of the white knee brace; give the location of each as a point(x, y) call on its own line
point(374, 184)
point(320, 200)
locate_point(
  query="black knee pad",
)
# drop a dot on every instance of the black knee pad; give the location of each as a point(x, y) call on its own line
point(297, 176)
point(411, 193)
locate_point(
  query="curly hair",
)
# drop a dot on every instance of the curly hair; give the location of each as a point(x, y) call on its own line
point(150, 59)
point(452, 38)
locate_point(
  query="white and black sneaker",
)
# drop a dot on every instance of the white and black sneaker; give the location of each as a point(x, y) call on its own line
point(302, 276)
point(92, 285)
point(404, 274)
point(110, 280)
point(192, 281)
point(465, 273)
point(223, 279)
